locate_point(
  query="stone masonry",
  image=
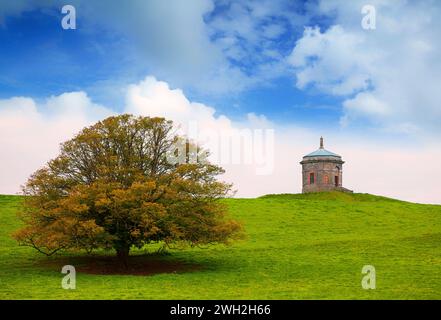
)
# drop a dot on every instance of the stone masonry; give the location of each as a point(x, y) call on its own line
point(322, 170)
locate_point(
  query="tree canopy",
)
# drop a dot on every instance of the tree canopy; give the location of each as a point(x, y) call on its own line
point(113, 186)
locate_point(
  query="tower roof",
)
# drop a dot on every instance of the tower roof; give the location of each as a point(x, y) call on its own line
point(322, 152)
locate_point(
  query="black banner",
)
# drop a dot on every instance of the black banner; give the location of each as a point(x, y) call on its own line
point(221, 309)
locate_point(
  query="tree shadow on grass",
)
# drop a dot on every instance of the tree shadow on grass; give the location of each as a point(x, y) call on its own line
point(138, 265)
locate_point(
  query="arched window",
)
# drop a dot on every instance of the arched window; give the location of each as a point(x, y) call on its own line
point(337, 177)
point(311, 178)
point(326, 179)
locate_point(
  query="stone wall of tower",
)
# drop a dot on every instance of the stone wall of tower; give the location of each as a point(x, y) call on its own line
point(322, 168)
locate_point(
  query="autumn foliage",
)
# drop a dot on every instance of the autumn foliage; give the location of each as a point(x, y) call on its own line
point(113, 187)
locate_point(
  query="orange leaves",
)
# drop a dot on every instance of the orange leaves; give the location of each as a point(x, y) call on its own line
point(112, 186)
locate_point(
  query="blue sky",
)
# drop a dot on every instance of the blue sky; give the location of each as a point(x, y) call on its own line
point(302, 68)
point(233, 55)
point(40, 59)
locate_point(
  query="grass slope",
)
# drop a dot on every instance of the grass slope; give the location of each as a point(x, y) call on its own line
point(298, 247)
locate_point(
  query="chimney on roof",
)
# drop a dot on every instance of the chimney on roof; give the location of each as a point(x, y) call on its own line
point(321, 142)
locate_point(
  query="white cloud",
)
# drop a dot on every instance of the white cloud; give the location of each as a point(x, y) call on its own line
point(192, 46)
point(333, 61)
point(228, 142)
point(151, 97)
point(389, 76)
point(30, 133)
point(364, 104)
point(171, 40)
point(259, 121)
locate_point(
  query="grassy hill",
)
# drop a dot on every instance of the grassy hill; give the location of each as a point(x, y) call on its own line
point(298, 247)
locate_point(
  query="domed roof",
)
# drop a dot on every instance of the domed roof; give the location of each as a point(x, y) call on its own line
point(322, 152)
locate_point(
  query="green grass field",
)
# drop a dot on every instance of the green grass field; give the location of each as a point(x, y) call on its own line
point(298, 247)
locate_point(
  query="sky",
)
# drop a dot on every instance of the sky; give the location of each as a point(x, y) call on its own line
point(274, 75)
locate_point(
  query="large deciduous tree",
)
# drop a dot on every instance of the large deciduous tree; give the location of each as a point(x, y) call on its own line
point(113, 186)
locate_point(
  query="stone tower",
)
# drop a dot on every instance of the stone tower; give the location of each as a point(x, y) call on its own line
point(322, 170)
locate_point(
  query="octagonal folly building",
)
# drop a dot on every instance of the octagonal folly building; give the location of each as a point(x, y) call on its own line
point(322, 170)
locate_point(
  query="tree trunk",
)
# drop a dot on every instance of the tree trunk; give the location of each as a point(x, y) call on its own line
point(122, 254)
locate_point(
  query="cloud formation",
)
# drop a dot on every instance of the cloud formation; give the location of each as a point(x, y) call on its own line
point(389, 75)
point(30, 133)
point(207, 46)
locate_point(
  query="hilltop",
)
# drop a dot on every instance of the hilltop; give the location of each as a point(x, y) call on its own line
point(298, 246)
